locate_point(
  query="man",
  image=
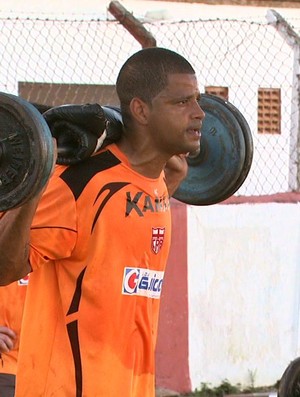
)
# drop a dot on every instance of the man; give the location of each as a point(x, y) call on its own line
point(12, 298)
point(99, 242)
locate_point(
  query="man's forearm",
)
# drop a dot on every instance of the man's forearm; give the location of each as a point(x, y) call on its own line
point(14, 242)
point(175, 171)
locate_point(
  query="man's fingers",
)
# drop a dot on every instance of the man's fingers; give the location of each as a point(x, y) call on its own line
point(7, 331)
point(7, 339)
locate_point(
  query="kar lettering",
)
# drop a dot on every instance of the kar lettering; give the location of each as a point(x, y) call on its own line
point(142, 203)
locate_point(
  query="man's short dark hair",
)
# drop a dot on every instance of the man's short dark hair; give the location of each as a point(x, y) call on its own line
point(145, 74)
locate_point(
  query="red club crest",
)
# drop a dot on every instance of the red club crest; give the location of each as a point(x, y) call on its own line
point(158, 234)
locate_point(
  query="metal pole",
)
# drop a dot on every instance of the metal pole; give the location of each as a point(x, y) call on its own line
point(133, 25)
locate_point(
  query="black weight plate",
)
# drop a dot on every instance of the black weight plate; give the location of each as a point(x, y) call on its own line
point(289, 384)
point(248, 142)
point(214, 172)
point(26, 151)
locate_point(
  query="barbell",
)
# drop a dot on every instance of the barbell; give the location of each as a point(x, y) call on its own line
point(26, 147)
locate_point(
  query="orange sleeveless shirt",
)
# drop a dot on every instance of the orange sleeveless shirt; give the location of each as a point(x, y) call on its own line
point(99, 245)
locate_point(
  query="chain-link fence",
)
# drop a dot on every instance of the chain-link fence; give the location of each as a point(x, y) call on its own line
point(52, 61)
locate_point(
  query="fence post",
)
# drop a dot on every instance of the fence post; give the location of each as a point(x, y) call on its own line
point(293, 40)
point(133, 25)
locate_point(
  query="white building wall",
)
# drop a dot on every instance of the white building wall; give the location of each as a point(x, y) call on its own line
point(244, 292)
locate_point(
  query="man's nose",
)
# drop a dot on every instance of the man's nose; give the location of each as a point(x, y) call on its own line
point(200, 112)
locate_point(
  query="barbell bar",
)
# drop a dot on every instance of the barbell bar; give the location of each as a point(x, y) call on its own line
point(26, 147)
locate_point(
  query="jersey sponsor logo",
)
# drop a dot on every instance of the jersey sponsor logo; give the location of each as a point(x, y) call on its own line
point(24, 280)
point(142, 282)
point(142, 203)
point(158, 234)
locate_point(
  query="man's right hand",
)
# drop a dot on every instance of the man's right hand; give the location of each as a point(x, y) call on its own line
point(7, 339)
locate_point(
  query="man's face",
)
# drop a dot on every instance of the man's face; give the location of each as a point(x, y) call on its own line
point(175, 117)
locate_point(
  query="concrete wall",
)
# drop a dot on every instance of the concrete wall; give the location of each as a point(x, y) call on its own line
point(242, 280)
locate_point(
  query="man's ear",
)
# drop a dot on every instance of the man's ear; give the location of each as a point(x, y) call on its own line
point(139, 110)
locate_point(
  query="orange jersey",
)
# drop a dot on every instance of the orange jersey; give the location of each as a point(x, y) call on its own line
point(99, 246)
point(12, 298)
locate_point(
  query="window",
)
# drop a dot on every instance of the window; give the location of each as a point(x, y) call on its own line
point(269, 111)
point(221, 92)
